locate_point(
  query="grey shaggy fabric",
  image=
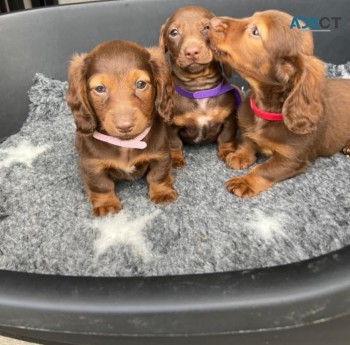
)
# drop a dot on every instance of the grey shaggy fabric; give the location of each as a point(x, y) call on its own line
point(46, 225)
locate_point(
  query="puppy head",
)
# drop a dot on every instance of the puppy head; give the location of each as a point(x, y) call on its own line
point(264, 50)
point(184, 35)
point(114, 89)
point(255, 44)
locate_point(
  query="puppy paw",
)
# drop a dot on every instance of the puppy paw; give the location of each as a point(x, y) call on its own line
point(103, 210)
point(178, 160)
point(238, 161)
point(248, 185)
point(346, 149)
point(164, 197)
point(224, 150)
point(240, 187)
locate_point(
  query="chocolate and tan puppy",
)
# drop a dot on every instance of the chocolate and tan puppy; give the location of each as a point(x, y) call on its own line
point(292, 114)
point(205, 104)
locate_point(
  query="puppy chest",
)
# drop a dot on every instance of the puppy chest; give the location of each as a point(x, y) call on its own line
point(124, 166)
point(202, 130)
point(202, 104)
point(201, 115)
point(126, 171)
point(200, 121)
point(133, 172)
point(269, 143)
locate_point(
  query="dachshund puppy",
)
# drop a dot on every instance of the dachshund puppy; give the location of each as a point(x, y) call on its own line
point(293, 114)
point(205, 104)
point(120, 134)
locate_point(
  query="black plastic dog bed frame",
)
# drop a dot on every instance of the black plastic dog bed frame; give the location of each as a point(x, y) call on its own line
point(301, 303)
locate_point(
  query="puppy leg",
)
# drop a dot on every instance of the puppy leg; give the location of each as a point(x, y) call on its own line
point(264, 176)
point(104, 203)
point(346, 149)
point(226, 138)
point(243, 157)
point(100, 191)
point(177, 158)
point(160, 181)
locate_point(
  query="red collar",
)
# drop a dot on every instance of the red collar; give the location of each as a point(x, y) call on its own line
point(264, 114)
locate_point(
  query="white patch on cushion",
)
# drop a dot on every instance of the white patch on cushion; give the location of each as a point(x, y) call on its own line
point(269, 227)
point(265, 226)
point(118, 229)
point(24, 153)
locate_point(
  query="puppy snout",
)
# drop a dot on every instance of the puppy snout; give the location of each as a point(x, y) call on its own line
point(192, 52)
point(124, 126)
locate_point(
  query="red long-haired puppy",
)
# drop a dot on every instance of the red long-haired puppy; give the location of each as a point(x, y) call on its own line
point(120, 132)
point(292, 113)
point(205, 104)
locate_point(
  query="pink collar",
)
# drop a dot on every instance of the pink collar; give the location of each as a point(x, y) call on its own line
point(264, 114)
point(135, 143)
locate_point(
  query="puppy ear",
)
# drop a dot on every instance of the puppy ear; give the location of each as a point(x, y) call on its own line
point(77, 95)
point(162, 38)
point(227, 70)
point(164, 84)
point(303, 107)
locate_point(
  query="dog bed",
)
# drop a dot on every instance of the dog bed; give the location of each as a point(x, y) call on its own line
point(302, 302)
point(206, 230)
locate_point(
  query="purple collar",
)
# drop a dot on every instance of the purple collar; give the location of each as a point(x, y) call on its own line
point(216, 91)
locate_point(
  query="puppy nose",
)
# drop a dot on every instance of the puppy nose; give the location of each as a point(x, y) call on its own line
point(124, 126)
point(192, 52)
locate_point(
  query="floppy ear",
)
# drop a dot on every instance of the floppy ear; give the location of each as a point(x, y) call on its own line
point(303, 107)
point(77, 95)
point(162, 38)
point(164, 84)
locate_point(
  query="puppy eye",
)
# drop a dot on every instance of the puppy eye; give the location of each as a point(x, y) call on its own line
point(141, 84)
point(174, 33)
point(100, 89)
point(255, 31)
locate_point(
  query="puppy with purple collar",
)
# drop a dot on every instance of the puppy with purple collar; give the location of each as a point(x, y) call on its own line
point(205, 103)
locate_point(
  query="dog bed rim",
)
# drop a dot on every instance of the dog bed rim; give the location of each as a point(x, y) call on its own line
point(160, 306)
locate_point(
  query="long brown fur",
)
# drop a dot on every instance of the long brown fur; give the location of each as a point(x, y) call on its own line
point(285, 77)
point(121, 110)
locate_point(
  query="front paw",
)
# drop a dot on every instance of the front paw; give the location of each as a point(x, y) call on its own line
point(164, 197)
point(224, 150)
point(248, 185)
point(346, 149)
point(177, 159)
point(238, 161)
point(111, 207)
point(241, 187)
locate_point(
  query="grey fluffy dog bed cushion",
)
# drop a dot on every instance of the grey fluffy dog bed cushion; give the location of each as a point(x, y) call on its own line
point(46, 225)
